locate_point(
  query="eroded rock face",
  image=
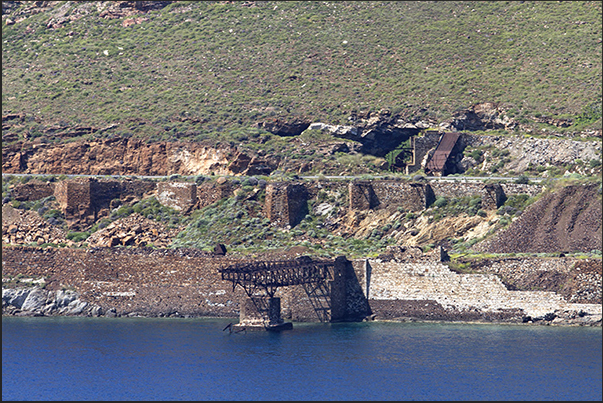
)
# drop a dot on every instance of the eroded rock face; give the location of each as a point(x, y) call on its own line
point(379, 132)
point(122, 156)
point(482, 117)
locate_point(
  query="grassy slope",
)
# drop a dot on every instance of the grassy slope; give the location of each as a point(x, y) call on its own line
point(231, 65)
point(416, 58)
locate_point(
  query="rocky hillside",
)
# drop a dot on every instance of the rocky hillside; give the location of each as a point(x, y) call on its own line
point(566, 220)
point(164, 70)
point(181, 88)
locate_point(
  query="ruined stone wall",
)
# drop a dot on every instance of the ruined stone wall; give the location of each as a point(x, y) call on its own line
point(421, 145)
point(361, 196)
point(137, 188)
point(343, 300)
point(169, 282)
point(186, 282)
point(32, 190)
point(210, 192)
point(313, 188)
point(151, 282)
point(85, 200)
point(580, 278)
point(517, 188)
point(493, 195)
point(364, 195)
point(276, 205)
point(296, 305)
point(410, 196)
point(457, 190)
point(178, 195)
point(286, 203)
point(158, 282)
point(298, 203)
point(102, 192)
point(75, 200)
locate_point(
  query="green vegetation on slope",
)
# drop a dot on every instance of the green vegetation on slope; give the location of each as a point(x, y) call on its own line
point(201, 69)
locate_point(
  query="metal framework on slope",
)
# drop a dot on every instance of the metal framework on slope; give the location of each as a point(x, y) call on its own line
point(440, 156)
point(267, 276)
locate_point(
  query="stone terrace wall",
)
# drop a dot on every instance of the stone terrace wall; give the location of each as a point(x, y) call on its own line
point(210, 192)
point(89, 198)
point(448, 294)
point(102, 192)
point(186, 282)
point(151, 282)
point(75, 200)
point(137, 188)
point(83, 199)
point(362, 196)
point(314, 187)
point(517, 188)
point(456, 189)
point(411, 196)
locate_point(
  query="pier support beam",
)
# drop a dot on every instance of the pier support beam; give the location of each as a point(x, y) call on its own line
point(261, 313)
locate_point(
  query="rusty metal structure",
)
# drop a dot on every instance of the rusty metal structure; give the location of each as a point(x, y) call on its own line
point(267, 276)
point(437, 163)
point(261, 279)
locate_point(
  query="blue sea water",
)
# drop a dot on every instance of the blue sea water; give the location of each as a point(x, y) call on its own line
point(194, 359)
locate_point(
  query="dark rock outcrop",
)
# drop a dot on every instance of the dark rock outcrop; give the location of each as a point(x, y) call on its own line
point(482, 117)
point(284, 127)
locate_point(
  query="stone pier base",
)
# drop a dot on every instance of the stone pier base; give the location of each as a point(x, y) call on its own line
point(261, 313)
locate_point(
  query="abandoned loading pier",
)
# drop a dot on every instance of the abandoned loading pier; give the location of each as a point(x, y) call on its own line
point(260, 280)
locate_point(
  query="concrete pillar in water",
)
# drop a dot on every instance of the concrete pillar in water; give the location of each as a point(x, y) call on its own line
point(337, 289)
point(261, 313)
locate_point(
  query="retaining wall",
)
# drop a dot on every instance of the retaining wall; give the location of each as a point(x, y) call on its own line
point(186, 282)
point(32, 190)
point(84, 200)
point(365, 195)
point(447, 294)
point(167, 282)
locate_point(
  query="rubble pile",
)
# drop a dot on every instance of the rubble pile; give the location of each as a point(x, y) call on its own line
point(134, 230)
point(23, 227)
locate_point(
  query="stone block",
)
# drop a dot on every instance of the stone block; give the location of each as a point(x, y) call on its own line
point(177, 195)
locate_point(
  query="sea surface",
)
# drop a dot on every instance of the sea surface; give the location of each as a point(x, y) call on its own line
point(195, 359)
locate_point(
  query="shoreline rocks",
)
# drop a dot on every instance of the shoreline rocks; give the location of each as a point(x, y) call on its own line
point(36, 301)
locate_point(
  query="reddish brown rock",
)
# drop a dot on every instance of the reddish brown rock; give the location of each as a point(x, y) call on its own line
point(132, 157)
